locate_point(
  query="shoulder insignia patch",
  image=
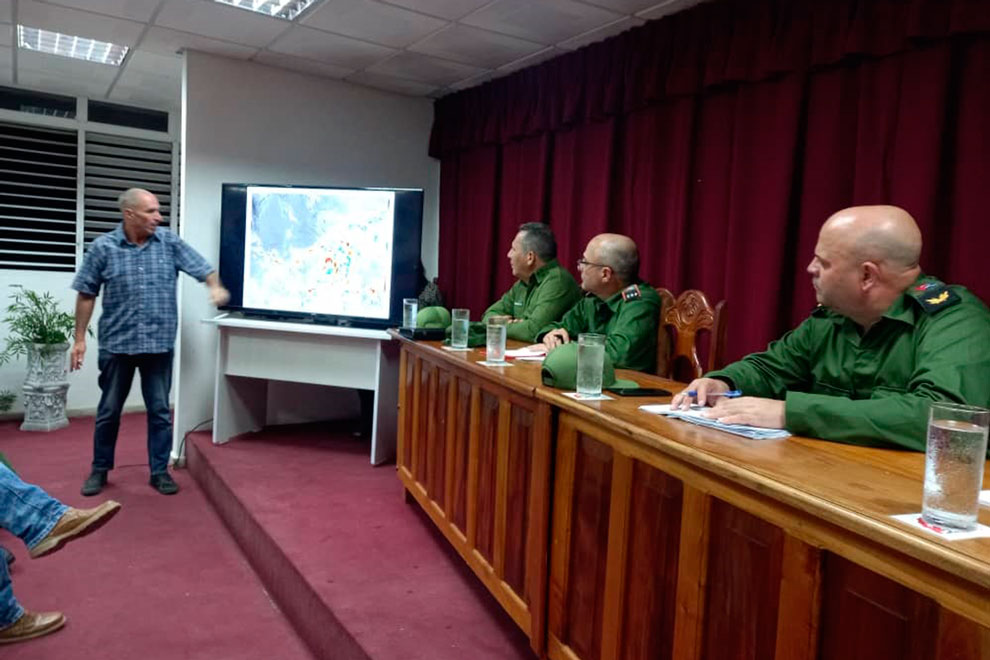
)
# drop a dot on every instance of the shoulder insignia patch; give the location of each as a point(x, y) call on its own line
point(934, 296)
point(632, 292)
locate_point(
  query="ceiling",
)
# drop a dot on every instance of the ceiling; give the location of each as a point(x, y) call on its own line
point(412, 47)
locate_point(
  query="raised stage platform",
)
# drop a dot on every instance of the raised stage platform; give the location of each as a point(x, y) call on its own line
point(357, 571)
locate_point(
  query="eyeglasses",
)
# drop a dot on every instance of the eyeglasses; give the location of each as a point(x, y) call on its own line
point(584, 263)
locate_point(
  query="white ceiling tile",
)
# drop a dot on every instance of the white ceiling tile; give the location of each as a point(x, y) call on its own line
point(6, 62)
point(473, 46)
point(325, 47)
point(601, 33)
point(667, 8)
point(146, 61)
point(426, 69)
point(78, 23)
point(169, 42)
point(161, 75)
point(6, 15)
point(373, 21)
point(150, 79)
point(473, 81)
point(391, 84)
point(449, 9)
point(302, 65)
point(68, 76)
point(547, 53)
point(624, 6)
point(136, 10)
point(217, 21)
point(543, 21)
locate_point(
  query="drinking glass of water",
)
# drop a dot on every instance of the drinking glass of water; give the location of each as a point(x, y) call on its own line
point(459, 327)
point(954, 459)
point(410, 306)
point(590, 363)
point(495, 344)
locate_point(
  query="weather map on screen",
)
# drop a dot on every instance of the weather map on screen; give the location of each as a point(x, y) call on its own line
point(319, 250)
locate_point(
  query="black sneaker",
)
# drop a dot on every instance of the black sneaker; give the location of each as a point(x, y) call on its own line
point(95, 482)
point(164, 484)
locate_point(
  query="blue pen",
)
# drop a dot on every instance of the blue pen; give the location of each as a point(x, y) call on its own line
point(731, 394)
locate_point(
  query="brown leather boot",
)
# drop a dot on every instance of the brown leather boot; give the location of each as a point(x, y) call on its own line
point(74, 524)
point(31, 625)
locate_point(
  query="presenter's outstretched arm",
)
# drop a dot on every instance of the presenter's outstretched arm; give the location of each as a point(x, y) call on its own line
point(218, 294)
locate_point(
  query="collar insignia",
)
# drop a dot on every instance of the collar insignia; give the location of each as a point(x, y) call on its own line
point(632, 292)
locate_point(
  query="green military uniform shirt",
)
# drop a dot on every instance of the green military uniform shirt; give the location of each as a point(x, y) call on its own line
point(874, 388)
point(550, 292)
point(628, 320)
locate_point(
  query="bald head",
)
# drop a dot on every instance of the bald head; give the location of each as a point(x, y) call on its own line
point(132, 198)
point(866, 257)
point(885, 235)
point(617, 252)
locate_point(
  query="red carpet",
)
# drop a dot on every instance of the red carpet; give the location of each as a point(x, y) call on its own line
point(360, 573)
point(163, 580)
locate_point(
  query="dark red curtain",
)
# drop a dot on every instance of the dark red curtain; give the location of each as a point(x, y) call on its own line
point(720, 139)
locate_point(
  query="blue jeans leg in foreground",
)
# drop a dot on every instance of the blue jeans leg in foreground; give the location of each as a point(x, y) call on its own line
point(156, 381)
point(28, 513)
point(116, 376)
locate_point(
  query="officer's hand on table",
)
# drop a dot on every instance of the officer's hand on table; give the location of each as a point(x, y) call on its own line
point(750, 410)
point(702, 386)
point(555, 338)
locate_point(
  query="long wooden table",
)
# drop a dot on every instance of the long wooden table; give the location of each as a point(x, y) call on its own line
point(606, 532)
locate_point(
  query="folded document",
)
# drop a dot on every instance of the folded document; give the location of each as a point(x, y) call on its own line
point(695, 415)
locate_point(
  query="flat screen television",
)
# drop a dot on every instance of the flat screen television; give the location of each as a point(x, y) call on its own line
point(340, 256)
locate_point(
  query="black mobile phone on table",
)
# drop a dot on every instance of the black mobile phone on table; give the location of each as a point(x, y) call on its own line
point(639, 391)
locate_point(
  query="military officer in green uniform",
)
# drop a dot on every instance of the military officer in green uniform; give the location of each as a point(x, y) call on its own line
point(618, 305)
point(544, 290)
point(885, 341)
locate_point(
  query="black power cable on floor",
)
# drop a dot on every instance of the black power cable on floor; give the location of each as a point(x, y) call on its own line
point(180, 454)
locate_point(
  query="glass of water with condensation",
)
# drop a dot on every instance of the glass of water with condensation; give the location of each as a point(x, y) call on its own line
point(954, 459)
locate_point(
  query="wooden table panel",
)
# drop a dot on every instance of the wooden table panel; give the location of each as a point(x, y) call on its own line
point(483, 498)
point(866, 616)
point(460, 428)
point(651, 571)
point(519, 466)
point(743, 585)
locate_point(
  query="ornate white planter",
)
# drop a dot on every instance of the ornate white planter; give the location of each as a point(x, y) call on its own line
point(45, 387)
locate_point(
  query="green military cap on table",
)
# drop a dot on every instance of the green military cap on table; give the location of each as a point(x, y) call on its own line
point(560, 370)
point(433, 317)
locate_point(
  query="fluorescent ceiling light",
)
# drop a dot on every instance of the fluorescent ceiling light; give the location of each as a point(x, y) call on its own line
point(287, 9)
point(67, 45)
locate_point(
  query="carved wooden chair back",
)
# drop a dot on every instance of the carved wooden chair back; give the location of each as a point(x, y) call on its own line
point(680, 324)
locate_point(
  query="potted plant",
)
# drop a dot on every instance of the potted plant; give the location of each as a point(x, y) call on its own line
point(38, 329)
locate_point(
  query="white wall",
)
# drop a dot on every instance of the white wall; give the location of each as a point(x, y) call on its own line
point(84, 393)
point(245, 122)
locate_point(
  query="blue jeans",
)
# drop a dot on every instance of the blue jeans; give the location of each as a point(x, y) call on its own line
point(116, 376)
point(28, 513)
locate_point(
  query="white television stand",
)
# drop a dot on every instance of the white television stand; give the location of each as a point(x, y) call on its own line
point(253, 352)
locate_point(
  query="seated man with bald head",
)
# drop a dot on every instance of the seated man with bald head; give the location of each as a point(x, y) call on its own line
point(885, 341)
point(617, 304)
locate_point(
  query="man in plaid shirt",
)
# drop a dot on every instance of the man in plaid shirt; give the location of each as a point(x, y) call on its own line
point(136, 264)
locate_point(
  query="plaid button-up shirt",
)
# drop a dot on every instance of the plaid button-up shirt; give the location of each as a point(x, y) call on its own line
point(139, 311)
